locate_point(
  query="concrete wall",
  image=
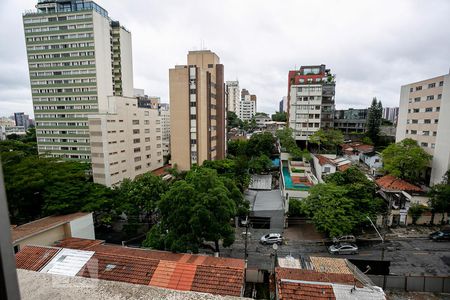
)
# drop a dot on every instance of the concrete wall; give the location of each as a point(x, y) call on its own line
point(46, 238)
point(83, 227)
point(126, 61)
point(436, 284)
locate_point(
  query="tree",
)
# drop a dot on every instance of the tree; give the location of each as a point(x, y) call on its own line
point(327, 139)
point(138, 198)
point(260, 164)
point(335, 206)
point(286, 138)
point(195, 210)
point(405, 159)
point(261, 143)
point(366, 140)
point(233, 121)
point(279, 117)
point(374, 115)
point(439, 200)
point(416, 210)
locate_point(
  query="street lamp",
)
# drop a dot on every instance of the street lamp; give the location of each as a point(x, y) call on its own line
point(382, 239)
point(275, 247)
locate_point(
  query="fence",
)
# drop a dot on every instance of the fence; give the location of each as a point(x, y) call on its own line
point(436, 284)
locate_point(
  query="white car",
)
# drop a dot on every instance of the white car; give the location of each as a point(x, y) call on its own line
point(271, 238)
point(343, 248)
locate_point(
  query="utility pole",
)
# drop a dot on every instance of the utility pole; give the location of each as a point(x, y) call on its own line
point(382, 239)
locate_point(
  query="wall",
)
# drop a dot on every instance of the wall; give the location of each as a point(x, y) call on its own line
point(46, 238)
point(126, 61)
point(436, 284)
point(83, 227)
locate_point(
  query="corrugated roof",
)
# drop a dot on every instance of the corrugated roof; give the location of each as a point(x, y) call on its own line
point(392, 183)
point(29, 229)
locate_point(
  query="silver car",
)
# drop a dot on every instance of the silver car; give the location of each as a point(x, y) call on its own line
point(344, 239)
point(271, 238)
point(343, 248)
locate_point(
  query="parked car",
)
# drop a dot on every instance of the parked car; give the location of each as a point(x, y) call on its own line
point(345, 239)
point(440, 235)
point(271, 238)
point(343, 248)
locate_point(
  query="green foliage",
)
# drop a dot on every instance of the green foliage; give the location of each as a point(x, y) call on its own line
point(237, 148)
point(235, 169)
point(405, 159)
point(366, 140)
point(328, 139)
point(440, 198)
point(279, 117)
point(233, 121)
point(260, 164)
point(374, 114)
point(335, 206)
point(261, 143)
point(195, 210)
point(288, 144)
point(416, 210)
point(296, 208)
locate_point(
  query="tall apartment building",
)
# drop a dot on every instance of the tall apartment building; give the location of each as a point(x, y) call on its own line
point(77, 57)
point(247, 106)
point(311, 91)
point(424, 116)
point(165, 127)
point(350, 120)
point(125, 141)
point(390, 114)
point(22, 119)
point(283, 105)
point(233, 96)
point(197, 110)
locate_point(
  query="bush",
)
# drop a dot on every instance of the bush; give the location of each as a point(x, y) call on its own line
point(416, 210)
point(296, 208)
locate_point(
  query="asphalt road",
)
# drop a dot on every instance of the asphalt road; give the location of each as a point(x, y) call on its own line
point(418, 256)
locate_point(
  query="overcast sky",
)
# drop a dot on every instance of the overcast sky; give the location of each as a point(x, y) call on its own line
point(373, 47)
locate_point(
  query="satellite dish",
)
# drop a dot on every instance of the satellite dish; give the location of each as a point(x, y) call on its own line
point(275, 246)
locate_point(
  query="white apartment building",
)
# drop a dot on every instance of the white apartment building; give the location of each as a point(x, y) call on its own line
point(247, 108)
point(424, 116)
point(125, 141)
point(233, 96)
point(77, 58)
point(165, 128)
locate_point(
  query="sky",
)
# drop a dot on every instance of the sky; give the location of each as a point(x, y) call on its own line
point(373, 47)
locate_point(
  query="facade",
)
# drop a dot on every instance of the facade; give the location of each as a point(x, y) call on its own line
point(77, 57)
point(311, 92)
point(233, 96)
point(350, 120)
point(7, 122)
point(261, 120)
point(247, 106)
point(197, 110)
point(282, 106)
point(22, 119)
point(125, 141)
point(49, 230)
point(390, 114)
point(8, 130)
point(165, 127)
point(424, 116)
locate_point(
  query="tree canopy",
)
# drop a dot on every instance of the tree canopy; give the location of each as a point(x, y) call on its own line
point(279, 117)
point(439, 194)
point(335, 206)
point(196, 210)
point(405, 159)
point(374, 115)
point(328, 139)
point(288, 144)
point(233, 121)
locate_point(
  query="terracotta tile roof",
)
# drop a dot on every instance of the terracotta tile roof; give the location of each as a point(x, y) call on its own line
point(162, 170)
point(357, 147)
point(187, 272)
point(29, 229)
point(392, 183)
point(299, 291)
point(33, 258)
point(330, 265)
point(78, 243)
point(324, 160)
point(342, 168)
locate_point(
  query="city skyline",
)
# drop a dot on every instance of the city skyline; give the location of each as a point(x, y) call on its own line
point(388, 56)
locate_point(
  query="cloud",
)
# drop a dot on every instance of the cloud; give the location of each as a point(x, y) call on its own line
point(372, 47)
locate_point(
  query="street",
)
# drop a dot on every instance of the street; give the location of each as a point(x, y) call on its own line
point(415, 256)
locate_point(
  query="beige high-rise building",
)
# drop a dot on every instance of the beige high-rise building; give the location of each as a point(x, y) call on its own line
point(424, 116)
point(197, 110)
point(125, 141)
point(234, 96)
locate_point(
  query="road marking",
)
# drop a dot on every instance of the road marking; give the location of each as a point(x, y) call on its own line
point(420, 253)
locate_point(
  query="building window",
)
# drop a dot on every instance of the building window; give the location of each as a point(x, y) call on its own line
point(135, 122)
point(136, 131)
point(407, 131)
point(137, 150)
point(414, 121)
point(411, 90)
point(418, 88)
point(434, 133)
point(417, 99)
point(431, 85)
point(135, 141)
point(409, 110)
point(424, 144)
point(413, 131)
point(441, 83)
point(428, 109)
point(433, 145)
point(137, 168)
point(210, 66)
point(439, 96)
point(416, 110)
point(436, 121)
point(427, 121)
point(137, 158)
point(425, 133)
point(431, 97)
point(438, 108)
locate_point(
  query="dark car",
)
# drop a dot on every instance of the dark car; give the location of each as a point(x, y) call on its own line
point(440, 235)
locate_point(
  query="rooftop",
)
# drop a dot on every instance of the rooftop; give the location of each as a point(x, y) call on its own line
point(24, 231)
point(392, 183)
point(92, 259)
